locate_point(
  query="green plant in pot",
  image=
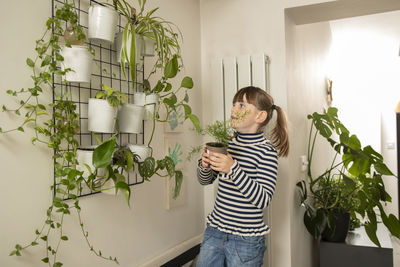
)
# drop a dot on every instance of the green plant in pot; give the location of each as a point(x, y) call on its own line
point(351, 184)
point(221, 132)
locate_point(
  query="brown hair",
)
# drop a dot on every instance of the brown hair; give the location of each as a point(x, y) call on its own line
point(264, 102)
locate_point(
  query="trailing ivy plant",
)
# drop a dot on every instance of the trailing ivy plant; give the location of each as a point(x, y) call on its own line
point(352, 183)
point(55, 125)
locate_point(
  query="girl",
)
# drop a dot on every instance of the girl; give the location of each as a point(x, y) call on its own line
point(235, 233)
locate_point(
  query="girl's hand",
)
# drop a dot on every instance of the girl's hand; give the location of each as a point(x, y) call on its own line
point(220, 162)
point(205, 158)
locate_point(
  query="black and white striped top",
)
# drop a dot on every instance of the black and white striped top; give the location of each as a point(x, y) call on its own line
point(247, 189)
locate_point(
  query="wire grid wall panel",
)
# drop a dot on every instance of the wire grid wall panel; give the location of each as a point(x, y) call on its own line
point(105, 70)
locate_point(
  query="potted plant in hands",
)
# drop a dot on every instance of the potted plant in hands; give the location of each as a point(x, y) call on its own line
point(364, 165)
point(221, 132)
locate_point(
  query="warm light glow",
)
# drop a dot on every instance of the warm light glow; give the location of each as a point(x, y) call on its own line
point(397, 108)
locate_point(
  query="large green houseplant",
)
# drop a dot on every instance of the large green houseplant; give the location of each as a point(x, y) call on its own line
point(352, 182)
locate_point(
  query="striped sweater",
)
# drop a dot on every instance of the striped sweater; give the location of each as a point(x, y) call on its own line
point(247, 189)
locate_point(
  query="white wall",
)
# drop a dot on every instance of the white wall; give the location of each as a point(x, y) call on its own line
point(365, 66)
point(307, 48)
point(146, 233)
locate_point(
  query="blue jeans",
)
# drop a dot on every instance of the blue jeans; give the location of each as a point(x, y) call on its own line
point(222, 249)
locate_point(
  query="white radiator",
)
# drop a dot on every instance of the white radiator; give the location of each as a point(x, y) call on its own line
point(229, 74)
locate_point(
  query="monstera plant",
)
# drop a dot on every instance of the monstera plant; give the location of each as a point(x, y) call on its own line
point(351, 183)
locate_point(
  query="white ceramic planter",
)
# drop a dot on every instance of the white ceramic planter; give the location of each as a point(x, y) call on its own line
point(79, 59)
point(141, 150)
point(149, 49)
point(84, 156)
point(150, 102)
point(102, 23)
point(130, 118)
point(119, 44)
point(101, 116)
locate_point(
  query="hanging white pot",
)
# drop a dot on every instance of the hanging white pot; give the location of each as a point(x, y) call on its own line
point(102, 23)
point(150, 102)
point(101, 116)
point(130, 118)
point(119, 44)
point(142, 151)
point(84, 155)
point(79, 60)
point(149, 49)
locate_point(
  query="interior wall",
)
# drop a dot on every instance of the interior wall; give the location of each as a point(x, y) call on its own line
point(135, 235)
point(307, 50)
point(365, 66)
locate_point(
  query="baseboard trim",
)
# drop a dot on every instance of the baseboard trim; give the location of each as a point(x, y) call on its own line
point(173, 252)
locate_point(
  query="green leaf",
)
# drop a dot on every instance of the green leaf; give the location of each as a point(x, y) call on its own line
point(20, 129)
point(46, 61)
point(171, 68)
point(109, 91)
point(102, 155)
point(30, 62)
point(147, 168)
point(195, 121)
point(187, 82)
point(45, 260)
point(178, 183)
point(158, 88)
point(65, 238)
point(188, 110)
point(57, 264)
point(370, 229)
point(168, 87)
point(124, 187)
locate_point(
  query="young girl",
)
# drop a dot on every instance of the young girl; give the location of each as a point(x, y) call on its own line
point(235, 233)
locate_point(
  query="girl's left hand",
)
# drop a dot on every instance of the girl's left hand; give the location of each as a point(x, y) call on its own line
point(220, 162)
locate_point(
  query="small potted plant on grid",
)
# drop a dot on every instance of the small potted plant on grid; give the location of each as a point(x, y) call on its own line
point(102, 110)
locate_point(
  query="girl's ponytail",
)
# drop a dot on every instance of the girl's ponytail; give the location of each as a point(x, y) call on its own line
point(279, 135)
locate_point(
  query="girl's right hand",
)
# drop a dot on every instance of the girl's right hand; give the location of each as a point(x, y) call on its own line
point(205, 160)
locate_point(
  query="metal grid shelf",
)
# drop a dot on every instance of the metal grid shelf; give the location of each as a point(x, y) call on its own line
point(105, 70)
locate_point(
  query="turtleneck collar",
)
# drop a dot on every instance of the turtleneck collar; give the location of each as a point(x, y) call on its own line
point(250, 138)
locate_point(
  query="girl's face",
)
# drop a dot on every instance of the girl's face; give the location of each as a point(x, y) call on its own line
point(245, 117)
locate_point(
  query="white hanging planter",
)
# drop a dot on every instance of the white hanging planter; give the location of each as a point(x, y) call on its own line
point(79, 60)
point(130, 118)
point(149, 49)
point(119, 44)
point(84, 156)
point(142, 151)
point(150, 102)
point(102, 23)
point(101, 116)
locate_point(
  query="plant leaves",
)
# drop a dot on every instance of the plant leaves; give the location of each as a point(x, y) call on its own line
point(187, 82)
point(171, 68)
point(124, 187)
point(102, 155)
point(30, 62)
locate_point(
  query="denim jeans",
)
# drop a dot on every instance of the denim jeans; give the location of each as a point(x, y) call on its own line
point(222, 249)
